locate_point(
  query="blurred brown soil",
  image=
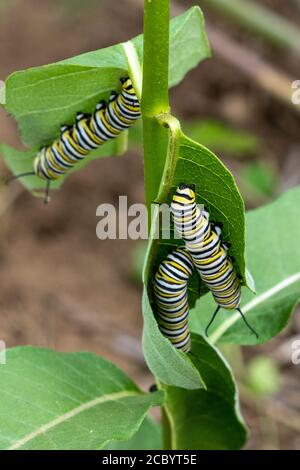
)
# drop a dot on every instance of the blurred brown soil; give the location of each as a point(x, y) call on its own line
point(60, 286)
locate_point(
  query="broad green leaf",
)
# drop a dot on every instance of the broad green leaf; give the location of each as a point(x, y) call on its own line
point(273, 253)
point(188, 44)
point(189, 162)
point(169, 365)
point(192, 163)
point(206, 419)
point(43, 98)
point(55, 401)
point(148, 437)
point(219, 137)
point(135, 135)
point(137, 261)
point(216, 189)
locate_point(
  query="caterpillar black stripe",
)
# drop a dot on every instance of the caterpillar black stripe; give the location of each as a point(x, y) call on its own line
point(88, 133)
point(170, 291)
point(204, 244)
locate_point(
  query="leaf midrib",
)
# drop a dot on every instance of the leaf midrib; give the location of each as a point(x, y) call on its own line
point(70, 414)
point(263, 297)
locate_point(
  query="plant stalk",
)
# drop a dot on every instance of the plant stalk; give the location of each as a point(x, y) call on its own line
point(155, 101)
point(167, 445)
point(155, 95)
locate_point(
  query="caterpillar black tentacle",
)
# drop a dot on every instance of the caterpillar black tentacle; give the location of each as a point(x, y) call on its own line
point(204, 244)
point(212, 319)
point(170, 292)
point(21, 175)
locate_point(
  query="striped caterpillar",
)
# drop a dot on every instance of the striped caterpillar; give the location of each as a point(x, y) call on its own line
point(210, 256)
point(87, 134)
point(170, 291)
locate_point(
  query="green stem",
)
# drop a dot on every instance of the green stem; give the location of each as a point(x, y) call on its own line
point(167, 445)
point(155, 96)
point(260, 20)
point(166, 122)
point(155, 101)
point(156, 57)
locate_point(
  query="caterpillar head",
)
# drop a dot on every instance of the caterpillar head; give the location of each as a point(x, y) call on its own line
point(187, 191)
point(126, 84)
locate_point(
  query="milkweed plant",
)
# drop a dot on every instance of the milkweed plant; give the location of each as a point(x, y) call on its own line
point(53, 400)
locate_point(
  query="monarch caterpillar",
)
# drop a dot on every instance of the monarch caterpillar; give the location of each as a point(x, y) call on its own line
point(210, 256)
point(88, 133)
point(170, 291)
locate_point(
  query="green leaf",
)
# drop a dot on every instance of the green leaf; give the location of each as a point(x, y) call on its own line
point(273, 253)
point(219, 137)
point(137, 262)
point(216, 189)
point(55, 401)
point(43, 98)
point(188, 44)
point(169, 365)
point(206, 419)
point(189, 162)
point(148, 437)
point(135, 135)
point(192, 163)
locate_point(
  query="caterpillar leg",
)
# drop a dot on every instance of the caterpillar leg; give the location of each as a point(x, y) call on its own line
point(46, 197)
point(14, 177)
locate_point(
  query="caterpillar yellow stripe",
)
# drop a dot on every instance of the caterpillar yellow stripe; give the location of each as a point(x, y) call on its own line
point(209, 254)
point(171, 297)
point(88, 133)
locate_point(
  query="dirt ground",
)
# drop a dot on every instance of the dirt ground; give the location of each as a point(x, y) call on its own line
point(60, 286)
